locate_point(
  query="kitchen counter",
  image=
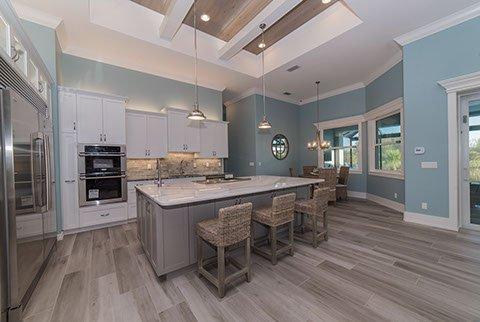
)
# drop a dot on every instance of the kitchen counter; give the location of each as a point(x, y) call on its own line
point(167, 216)
point(176, 194)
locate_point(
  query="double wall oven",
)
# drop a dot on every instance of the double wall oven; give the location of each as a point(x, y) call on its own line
point(102, 174)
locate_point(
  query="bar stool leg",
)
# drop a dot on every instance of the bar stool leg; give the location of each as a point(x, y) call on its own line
point(273, 231)
point(247, 259)
point(290, 237)
point(325, 225)
point(199, 255)
point(314, 233)
point(221, 271)
point(252, 234)
point(302, 223)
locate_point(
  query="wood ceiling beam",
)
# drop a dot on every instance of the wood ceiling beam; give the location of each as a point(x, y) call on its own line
point(273, 12)
point(176, 12)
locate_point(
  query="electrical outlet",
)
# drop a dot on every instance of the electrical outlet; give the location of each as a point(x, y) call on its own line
point(252, 164)
point(207, 165)
point(149, 166)
point(259, 164)
point(395, 195)
point(194, 165)
point(424, 206)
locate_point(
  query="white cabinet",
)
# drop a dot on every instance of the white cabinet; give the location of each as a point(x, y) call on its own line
point(68, 111)
point(100, 120)
point(68, 177)
point(213, 139)
point(103, 214)
point(89, 119)
point(113, 121)
point(183, 134)
point(146, 135)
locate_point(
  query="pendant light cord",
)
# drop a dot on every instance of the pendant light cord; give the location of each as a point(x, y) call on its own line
point(318, 106)
point(263, 72)
point(195, 107)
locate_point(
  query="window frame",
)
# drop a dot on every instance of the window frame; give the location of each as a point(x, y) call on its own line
point(344, 122)
point(384, 111)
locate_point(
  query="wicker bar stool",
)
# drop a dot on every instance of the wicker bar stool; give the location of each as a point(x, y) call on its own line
point(280, 213)
point(231, 227)
point(314, 209)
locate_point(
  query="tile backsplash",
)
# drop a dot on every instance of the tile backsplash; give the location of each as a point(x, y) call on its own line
point(174, 165)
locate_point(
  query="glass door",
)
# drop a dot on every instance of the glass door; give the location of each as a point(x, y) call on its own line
point(470, 160)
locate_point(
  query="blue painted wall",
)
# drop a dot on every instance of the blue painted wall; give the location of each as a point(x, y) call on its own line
point(241, 137)
point(336, 107)
point(382, 90)
point(452, 52)
point(284, 119)
point(145, 91)
point(45, 41)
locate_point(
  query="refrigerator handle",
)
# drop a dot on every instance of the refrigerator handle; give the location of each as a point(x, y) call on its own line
point(48, 172)
point(33, 139)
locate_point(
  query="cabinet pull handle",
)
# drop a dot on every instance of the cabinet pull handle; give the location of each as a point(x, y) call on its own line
point(74, 126)
point(105, 215)
point(104, 137)
point(101, 139)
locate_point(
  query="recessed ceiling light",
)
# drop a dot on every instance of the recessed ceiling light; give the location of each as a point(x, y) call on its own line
point(261, 45)
point(206, 17)
point(326, 1)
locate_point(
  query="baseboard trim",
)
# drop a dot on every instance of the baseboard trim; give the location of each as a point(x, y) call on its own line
point(386, 202)
point(381, 201)
point(106, 225)
point(432, 221)
point(357, 194)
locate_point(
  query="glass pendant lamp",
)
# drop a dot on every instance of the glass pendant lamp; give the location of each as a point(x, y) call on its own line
point(264, 123)
point(196, 114)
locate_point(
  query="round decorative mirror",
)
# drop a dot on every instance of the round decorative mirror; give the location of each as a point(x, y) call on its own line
point(280, 146)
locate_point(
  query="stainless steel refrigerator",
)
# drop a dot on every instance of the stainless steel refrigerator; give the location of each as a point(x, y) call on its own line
point(27, 209)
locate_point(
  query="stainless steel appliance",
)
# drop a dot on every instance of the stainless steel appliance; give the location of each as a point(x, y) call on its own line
point(102, 174)
point(27, 211)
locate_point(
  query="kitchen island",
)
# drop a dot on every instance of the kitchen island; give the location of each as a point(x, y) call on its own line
point(167, 215)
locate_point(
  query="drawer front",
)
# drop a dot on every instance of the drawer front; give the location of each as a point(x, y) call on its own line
point(102, 215)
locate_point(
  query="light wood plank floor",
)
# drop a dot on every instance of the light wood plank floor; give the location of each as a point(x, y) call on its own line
point(374, 267)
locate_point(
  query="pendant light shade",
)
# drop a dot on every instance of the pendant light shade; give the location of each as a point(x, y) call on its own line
point(264, 123)
point(195, 114)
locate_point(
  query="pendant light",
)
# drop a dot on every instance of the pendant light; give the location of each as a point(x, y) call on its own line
point(318, 144)
point(195, 114)
point(264, 123)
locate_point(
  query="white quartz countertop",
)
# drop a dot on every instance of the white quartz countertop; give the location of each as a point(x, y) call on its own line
point(174, 194)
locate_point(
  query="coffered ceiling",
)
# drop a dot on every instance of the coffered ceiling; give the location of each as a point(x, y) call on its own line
point(344, 44)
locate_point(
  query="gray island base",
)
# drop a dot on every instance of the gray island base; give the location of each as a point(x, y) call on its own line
point(167, 215)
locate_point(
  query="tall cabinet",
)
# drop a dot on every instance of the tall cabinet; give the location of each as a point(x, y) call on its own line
point(87, 118)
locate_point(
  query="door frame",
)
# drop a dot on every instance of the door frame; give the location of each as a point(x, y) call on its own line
point(465, 212)
point(455, 87)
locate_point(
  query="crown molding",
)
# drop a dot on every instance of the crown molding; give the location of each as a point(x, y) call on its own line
point(439, 25)
point(37, 16)
point(257, 91)
point(398, 57)
point(461, 83)
point(335, 92)
point(385, 109)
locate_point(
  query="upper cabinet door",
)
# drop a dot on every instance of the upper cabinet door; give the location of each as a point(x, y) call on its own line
point(207, 139)
point(89, 119)
point(157, 142)
point(177, 123)
point(192, 136)
point(136, 135)
point(221, 140)
point(114, 121)
point(68, 112)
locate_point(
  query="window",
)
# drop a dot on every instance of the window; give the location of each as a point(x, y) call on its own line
point(344, 142)
point(280, 146)
point(388, 144)
point(386, 140)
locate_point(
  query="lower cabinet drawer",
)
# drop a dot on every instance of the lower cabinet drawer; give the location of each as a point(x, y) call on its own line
point(97, 215)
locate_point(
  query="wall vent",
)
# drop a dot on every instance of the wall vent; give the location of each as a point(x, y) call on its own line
point(293, 68)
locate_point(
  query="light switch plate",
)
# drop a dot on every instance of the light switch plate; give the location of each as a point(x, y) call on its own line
point(429, 165)
point(424, 206)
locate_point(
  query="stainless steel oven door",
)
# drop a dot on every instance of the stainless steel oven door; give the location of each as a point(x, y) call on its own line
point(96, 190)
point(100, 159)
